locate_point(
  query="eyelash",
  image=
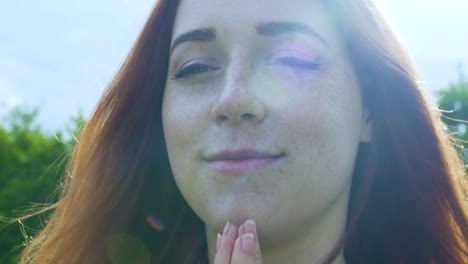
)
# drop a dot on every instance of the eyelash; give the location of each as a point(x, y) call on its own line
point(197, 68)
point(298, 63)
point(193, 69)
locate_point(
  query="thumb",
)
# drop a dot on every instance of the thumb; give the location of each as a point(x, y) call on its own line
point(247, 247)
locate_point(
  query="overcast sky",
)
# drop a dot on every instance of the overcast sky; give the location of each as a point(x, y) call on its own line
point(59, 55)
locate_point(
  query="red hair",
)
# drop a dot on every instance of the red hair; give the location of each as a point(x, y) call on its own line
point(406, 203)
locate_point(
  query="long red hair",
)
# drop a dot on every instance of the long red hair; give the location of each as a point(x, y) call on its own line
point(408, 196)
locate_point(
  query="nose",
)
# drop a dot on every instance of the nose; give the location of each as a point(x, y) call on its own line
point(237, 102)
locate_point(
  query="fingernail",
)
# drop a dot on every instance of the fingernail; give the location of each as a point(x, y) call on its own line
point(247, 241)
point(226, 228)
point(250, 222)
point(218, 242)
point(250, 226)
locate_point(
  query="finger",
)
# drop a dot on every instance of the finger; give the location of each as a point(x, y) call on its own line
point(226, 244)
point(247, 250)
point(247, 247)
point(232, 231)
point(248, 226)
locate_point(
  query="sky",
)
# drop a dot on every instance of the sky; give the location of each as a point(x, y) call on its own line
point(60, 55)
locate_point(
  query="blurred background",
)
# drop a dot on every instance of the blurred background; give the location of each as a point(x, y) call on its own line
point(56, 58)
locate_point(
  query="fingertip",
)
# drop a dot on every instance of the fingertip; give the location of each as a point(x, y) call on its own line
point(244, 249)
point(227, 242)
point(241, 230)
point(218, 241)
point(250, 226)
point(232, 232)
point(237, 253)
point(226, 227)
point(225, 249)
point(247, 243)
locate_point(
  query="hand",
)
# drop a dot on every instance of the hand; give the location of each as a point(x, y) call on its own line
point(238, 245)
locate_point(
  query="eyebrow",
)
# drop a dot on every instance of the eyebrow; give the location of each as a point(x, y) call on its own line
point(274, 28)
point(267, 29)
point(202, 34)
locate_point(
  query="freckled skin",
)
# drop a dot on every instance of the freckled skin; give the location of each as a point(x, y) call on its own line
point(316, 118)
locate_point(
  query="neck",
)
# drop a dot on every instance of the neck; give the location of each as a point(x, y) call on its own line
point(311, 245)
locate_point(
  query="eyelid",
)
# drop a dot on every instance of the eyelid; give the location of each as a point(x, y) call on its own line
point(289, 51)
point(202, 60)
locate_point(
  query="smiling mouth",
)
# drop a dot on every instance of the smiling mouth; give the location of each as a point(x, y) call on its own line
point(236, 164)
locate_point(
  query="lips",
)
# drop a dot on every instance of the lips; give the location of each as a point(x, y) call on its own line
point(241, 154)
point(236, 162)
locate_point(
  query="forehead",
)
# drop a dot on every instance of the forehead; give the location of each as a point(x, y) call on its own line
point(241, 16)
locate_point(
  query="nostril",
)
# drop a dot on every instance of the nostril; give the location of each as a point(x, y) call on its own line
point(221, 118)
point(248, 116)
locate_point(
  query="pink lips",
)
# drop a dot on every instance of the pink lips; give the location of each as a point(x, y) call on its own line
point(241, 161)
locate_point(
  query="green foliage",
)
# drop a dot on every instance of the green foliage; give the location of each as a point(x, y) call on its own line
point(454, 101)
point(31, 165)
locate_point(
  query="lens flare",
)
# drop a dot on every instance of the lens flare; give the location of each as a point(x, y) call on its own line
point(155, 223)
point(272, 90)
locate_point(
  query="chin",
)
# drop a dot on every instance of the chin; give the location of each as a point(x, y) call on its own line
point(238, 216)
point(237, 208)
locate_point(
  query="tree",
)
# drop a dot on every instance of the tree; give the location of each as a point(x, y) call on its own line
point(453, 100)
point(31, 165)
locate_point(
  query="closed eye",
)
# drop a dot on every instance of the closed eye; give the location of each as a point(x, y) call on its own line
point(297, 63)
point(193, 69)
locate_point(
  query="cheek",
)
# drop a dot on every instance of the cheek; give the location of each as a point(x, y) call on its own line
point(324, 132)
point(183, 120)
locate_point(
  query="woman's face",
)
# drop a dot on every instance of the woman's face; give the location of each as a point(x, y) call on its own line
point(262, 112)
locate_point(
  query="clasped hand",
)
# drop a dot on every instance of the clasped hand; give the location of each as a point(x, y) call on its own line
point(238, 245)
